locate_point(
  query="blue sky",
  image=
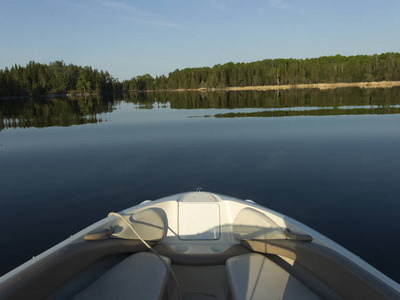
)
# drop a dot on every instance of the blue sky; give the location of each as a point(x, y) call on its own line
point(130, 38)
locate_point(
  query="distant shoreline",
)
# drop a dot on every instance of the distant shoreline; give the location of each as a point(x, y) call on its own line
point(321, 86)
point(69, 95)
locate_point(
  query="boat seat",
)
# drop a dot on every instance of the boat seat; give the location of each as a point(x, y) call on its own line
point(140, 276)
point(253, 276)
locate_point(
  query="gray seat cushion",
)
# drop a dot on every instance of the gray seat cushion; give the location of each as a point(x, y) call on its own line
point(140, 276)
point(253, 276)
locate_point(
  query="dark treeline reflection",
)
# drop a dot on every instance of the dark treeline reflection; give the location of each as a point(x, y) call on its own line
point(316, 112)
point(268, 99)
point(45, 112)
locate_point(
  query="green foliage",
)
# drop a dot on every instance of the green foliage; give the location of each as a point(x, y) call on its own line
point(55, 78)
point(327, 69)
point(59, 78)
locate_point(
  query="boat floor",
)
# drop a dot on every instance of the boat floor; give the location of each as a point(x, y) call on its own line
point(200, 282)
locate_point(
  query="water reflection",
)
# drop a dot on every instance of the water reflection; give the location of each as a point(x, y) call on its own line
point(49, 112)
point(268, 99)
point(314, 112)
point(284, 103)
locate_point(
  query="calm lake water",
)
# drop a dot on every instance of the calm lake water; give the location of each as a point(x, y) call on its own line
point(329, 159)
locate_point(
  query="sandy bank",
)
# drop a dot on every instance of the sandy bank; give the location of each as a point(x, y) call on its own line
point(321, 86)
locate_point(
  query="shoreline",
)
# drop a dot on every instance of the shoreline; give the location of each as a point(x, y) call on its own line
point(69, 95)
point(321, 86)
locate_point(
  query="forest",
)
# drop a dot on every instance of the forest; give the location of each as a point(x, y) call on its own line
point(328, 69)
point(59, 78)
point(55, 78)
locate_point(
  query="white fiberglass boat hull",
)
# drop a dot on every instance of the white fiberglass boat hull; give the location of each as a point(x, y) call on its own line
point(207, 233)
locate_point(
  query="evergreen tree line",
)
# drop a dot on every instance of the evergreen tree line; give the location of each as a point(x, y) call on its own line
point(328, 69)
point(59, 78)
point(55, 78)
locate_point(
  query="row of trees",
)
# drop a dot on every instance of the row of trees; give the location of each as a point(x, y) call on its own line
point(55, 78)
point(59, 78)
point(328, 69)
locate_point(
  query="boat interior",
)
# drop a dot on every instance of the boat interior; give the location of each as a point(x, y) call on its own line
point(194, 247)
